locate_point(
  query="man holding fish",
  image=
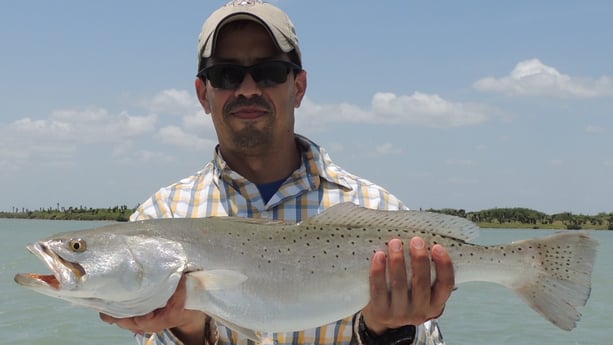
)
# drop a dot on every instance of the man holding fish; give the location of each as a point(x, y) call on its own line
point(250, 80)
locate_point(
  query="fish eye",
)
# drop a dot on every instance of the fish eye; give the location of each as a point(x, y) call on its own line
point(77, 245)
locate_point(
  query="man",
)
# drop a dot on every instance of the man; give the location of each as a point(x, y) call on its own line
point(250, 80)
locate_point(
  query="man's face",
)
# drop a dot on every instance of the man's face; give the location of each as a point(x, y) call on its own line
point(251, 119)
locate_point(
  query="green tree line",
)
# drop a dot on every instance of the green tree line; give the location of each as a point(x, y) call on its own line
point(114, 213)
point(528, 218)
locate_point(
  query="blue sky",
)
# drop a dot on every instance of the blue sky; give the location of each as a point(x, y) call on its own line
point(448, 104)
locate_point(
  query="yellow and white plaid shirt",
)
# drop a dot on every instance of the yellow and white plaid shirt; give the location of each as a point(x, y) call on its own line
point(318, 184)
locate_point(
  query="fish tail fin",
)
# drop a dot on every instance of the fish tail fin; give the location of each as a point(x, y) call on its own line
point(561, 281)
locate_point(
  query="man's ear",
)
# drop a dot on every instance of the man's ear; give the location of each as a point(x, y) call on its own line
point(300, 82)
point(201, 90)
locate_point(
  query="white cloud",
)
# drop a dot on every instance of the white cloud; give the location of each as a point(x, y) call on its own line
point(176, 136)
point(595, 129)
point(172, 102)
point(533, 78)
point(94, 125)
point(199, 122)
point(387, 108)
point(57, 139)
point(557, 162)
point(387, 149)
point(131, 154)
point(454, 180)
point(460, 162)
point(424, 109)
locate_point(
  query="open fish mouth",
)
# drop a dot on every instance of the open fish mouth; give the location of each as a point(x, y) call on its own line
point(64, 271)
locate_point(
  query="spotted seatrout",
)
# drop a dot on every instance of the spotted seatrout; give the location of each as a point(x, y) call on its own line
point(266, 276)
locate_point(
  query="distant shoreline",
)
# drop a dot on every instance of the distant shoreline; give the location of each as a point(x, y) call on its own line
point(509, 218)
point(115, 213)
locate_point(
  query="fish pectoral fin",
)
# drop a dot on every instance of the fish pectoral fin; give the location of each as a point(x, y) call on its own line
point(214, 279)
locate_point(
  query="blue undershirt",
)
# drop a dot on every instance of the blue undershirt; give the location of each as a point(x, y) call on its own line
point(267, 190)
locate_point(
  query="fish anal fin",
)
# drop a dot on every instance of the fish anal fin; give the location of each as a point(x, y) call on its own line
point(256, 336)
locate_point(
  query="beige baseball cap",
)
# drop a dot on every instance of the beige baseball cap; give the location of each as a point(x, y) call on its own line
point(272, 18)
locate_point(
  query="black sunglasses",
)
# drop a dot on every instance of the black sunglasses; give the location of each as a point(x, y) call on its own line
point(229, 76)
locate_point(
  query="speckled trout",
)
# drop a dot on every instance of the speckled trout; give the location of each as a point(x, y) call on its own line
point(258, 276)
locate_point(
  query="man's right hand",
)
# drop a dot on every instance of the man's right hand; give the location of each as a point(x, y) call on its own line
point(187, 325)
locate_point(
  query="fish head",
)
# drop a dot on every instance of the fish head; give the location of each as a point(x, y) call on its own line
point(120, 275)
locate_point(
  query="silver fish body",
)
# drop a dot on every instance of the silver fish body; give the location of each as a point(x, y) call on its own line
point(266, 276)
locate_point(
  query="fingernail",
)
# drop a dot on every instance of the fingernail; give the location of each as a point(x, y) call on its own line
point(380, 257)
point(395, 246)
point(437, 251)
point(417, 243)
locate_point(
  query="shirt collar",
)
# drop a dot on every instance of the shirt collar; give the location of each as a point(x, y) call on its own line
point(319, 163)
point(315, 160)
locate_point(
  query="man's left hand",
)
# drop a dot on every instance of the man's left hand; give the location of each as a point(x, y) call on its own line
point(407, 302)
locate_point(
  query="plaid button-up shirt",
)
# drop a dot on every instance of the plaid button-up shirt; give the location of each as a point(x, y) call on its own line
point(318, 184)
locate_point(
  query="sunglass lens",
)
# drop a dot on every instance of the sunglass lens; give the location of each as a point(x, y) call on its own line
point(270, 73)
point(225, 76)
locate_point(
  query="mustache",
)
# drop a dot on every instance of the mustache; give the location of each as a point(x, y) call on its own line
point(242, 101)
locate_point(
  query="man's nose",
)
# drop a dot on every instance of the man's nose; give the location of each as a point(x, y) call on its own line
point(248, 87)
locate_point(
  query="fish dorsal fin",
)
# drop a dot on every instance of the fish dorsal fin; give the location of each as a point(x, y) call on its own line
point(254, 221)
point(351, 215)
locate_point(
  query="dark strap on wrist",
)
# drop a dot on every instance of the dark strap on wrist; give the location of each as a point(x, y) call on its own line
point(393, 336)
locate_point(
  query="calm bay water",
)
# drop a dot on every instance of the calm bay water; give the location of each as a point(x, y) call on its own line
point(478, 313)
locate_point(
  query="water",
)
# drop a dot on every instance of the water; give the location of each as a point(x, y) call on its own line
point(478, 313)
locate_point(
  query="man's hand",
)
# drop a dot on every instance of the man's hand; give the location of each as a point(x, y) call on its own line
point(187, 325)
point(407, 302)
